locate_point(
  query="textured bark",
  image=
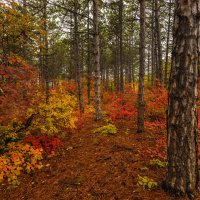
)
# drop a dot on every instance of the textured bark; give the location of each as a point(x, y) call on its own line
point(116, 72)
point(158, 36)
point(121, 46)
point(167, 48)
point(182, 151)
point(152, 46)
point(141, 69)
point(89, 65)
point(77, 57)
point(46, 50)
point(156, 56)
point(148, 64)
point(98, 114)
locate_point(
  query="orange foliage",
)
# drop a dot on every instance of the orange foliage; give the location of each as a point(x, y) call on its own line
point(18, 82)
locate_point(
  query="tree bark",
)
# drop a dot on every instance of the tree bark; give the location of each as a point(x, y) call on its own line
point(121, 46)
point(168, 37)
point(46, 50)
point(77, 57)
point(152, 46)
point(148, 64)
point(98, 114)
point(89, 66)
point(141, 69)
point(158, 36)
point(182, 150)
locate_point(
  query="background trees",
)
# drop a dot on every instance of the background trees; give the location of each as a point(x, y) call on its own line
point(119, 39)
point(114, 57)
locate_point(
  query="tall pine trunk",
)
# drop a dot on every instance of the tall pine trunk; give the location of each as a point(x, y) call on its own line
point(46, 50)
point(168, 37)
point(182, 150)
point(77, 57)
point(121, 46)
point(89, 66)
point(141, 69)
point(158, 36)
point(152, 45)
point(98, 113)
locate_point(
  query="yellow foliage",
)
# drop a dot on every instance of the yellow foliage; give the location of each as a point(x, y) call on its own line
point(6, 133)
point(20, 157)
point(57, 115)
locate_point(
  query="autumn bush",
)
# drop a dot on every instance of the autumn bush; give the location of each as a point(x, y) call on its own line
point(158, 151)
point(57, 115)
point(156, 103)
point(109, 129)
point(20, 158)
point(18, 89)
point(121, 105)
point(49, 144)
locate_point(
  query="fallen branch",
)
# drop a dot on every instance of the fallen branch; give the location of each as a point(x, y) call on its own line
point(27, 123)
point(117, 148)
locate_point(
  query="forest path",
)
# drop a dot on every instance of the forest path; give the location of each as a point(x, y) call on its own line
point(93, 167)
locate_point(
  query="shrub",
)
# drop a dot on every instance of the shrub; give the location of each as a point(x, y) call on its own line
point(146, 183)
point(158, 151)
point(158, 163)
point(109, 129)
point(57, 115)
point(121, 107)
point(48, 143)
point(7, 134)
point(18, 89)
point(19, 158)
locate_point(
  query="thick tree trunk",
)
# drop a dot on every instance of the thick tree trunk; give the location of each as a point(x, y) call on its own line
point(98, 114)
point(141, 69)
point(182, 151)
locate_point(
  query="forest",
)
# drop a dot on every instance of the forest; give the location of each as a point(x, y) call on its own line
point(99, 99)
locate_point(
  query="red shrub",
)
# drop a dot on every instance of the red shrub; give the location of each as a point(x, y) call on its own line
point(48, 143)
point(158, 151)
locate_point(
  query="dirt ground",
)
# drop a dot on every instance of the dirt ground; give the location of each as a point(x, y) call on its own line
point(94, 167)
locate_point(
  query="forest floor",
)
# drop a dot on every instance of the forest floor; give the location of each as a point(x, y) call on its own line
point(95, 167)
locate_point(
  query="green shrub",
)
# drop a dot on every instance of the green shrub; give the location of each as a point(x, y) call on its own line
point(7, 134)
point(158, 163)
point(109, 129)
point(147, 183)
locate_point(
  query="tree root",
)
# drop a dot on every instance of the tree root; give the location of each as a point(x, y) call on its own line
point(176, 192)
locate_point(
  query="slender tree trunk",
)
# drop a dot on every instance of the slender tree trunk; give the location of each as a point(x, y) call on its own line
point(98, 114)
point(41, 64)
point(77, 57)
point(130, 61)
point(121, 46)
point(117, 66)
point(141, 69)
point(156, 56)
point(46, 50)
point(148, 64)
point(182, 150)
point(158, 36)
point(89, 71)
point(152, 45)
point(168, 37)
